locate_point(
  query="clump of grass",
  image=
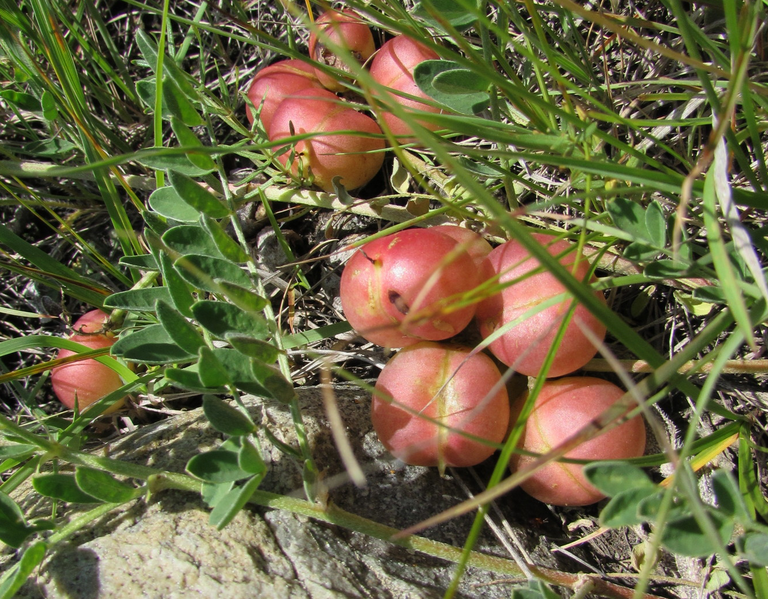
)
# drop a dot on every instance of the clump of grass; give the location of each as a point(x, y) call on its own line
point(639, 135)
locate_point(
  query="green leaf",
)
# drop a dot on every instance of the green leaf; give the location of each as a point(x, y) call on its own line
point(665, 269)
point(148, 47)
point(229, 505)
point(21, 100)
point(142, 262)
point(168, 160)
point(612, 478)
point(168, 203)
point(203, 272)
point(19, 573)
point(536, 590)
point(217, 466)
point(273, 381)
point(226, 418)
point(629, 217)
point(729, 499)
point(102, 485)
point(181, 294)
point(249, 458)
point(62, 486)
point(449, 11)
point(754, 546)
point(683, 535)
point(656, 224)
point(179, 329)
point(314, 335)
point(189, 378)
point(227, 246)
point(174, 104)
point(239, 370)
point(452, 85)
point(212, 372)
point(150, 345)
point(196, 196)
point(254, 348)
point(648, 508)
point(187, 138)
point(13, 527)
point(191, 239)
point(16, 451)
point(640, 251)
point(140, 300)
point(623, 508)
point(243, 298)
point(50, 148)
point(48, 104)
point(222, 318)
point(212, 494)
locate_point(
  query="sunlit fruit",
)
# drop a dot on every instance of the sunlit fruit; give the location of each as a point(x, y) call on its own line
point(86, 381)
point(406, 287)
point(347, 30)
point(450, 385)
point(529, 328)
point(562, 408)
point(355, 156)
point(275, 83)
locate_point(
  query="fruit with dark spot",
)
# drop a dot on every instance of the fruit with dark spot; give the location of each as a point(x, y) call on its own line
point(347, 30)
point(405, 288)
point(86, 381)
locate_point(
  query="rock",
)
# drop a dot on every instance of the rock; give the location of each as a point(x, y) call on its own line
point(165, 547)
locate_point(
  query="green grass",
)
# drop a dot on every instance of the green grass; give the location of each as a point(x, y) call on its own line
point(641, 137)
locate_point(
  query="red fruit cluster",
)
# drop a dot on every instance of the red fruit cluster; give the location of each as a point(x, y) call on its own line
point(446, 405)
point(86, 381)
point(294, 98)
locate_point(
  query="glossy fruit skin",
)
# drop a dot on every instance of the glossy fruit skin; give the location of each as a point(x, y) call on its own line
point(345, 29)
point(444, 382)
point(88, 380)
point(477, 247)
point(563, 407)
point(275, 83)
point(525, 346)
point(389, 281)
point(393, 66)
point(356, 159)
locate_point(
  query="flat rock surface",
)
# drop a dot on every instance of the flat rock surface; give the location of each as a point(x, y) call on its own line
point(166, 548)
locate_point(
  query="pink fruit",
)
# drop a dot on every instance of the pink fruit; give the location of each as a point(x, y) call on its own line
point(392, 67)
point(562, 408)
point(476, 246)
point(275, 83)
point(402, 288)
point(525, 346)
point(86, 381)
point(352, 156)
point(444, 382)
point(345, 29)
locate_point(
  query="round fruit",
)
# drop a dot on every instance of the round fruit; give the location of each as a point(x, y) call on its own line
point(449, 384)
point(474, 243)
point(392, 67)
point(353, 156)
point(402, 288)
point(347, 30)
point(86, 381)
point(563, 407)
point(525, 346)
point(275, 83)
